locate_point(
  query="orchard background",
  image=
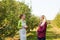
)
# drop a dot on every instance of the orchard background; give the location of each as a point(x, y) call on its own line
point(10, 11)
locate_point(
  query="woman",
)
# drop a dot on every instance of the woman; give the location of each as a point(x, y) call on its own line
point(41, 32)
point(22, 27)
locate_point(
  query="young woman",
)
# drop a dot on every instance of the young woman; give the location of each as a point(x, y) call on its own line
point(22, 27)
point(41, 32)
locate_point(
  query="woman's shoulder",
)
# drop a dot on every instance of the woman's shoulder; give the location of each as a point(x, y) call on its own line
point(20, 20)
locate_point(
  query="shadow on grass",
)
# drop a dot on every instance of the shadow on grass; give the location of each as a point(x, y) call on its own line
point(49, 36)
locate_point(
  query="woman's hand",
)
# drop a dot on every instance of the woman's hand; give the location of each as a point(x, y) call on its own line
point(26, 27)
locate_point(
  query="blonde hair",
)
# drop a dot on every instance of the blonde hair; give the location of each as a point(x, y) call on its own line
point(44, 18)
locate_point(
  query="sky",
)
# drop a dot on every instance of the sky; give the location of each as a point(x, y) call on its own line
point(49, 8)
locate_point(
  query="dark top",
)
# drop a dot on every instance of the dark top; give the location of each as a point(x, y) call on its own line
point(41, 32)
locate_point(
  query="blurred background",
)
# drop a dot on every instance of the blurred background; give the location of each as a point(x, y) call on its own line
point(10, 11)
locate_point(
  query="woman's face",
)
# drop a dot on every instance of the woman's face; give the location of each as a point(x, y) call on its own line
point(23, 16)
point(42, 17)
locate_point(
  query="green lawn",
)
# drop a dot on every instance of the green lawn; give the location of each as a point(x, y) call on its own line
point(49, 36)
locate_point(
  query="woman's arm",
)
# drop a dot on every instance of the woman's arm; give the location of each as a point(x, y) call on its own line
point(19, 24)
point(43, 22)
point(42, 26)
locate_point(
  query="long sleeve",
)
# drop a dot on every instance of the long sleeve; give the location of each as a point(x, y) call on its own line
point(19, 24)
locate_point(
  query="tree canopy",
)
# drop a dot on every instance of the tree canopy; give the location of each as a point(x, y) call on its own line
point(10, 11)
point(57, 20)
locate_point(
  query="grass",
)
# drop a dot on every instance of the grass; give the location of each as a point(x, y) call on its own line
point(49, 36)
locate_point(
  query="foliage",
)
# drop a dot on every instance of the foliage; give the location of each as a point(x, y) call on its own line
point(57, 20)
point(49, 26)
point(10, 11)
point(33, 22)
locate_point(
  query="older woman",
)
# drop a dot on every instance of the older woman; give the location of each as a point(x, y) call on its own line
point(41, 32)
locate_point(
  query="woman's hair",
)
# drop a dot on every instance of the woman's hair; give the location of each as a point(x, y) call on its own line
point(43, 16)
point(21, 16)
